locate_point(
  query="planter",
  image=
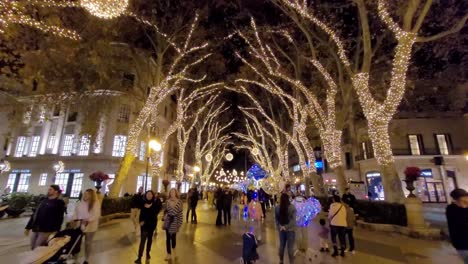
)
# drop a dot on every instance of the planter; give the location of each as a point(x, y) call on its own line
point(410, 187)
point(14, 212)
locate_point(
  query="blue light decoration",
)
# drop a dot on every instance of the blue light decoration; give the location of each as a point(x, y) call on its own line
point(306, 210)
point(318, 164)
point(256, 172)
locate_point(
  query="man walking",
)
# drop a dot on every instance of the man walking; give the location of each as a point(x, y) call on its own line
point(227, 203)
point(192, 202)
point(135, 205)
point(47, 218)
point(457, 220)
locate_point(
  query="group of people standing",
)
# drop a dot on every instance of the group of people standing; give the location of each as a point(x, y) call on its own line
point(223, 203)
point(48, 218)
point(145, 210)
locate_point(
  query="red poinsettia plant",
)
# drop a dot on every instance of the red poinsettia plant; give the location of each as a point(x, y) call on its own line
point(412, 173)
point(165, 182)
point(98, 176)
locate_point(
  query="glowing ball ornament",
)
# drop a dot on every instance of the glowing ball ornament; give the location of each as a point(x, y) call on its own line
point(229, 157)
point(255, 151)
point(209, 157)
point(306, 210)
point(106, 9)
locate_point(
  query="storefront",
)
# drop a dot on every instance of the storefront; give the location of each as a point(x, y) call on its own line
point(374, 186)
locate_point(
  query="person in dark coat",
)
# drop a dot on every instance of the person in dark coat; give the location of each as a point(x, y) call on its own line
point(457, 220)
point(349, 198)
point(227, 203)
point(148, 219)
point(192, 202)
point(219, 202)
point(47, 218)
point(263, 198)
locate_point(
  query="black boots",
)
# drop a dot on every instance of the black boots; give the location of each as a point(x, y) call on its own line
point(335, 251)
point(342, 252)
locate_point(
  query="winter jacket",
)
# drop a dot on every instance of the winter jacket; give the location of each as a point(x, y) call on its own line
point(249, 248)
point(337, 215)
point(149, 216)
point(227, 200)
point(48, 216)
point(193, 200)
point(350, 217)
point(457, 220)
point(137, 200)
point(255, 210)
point(174, 210)
point(83, 213)
point(291, 225)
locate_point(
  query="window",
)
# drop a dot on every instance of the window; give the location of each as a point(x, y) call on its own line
point(124, 113)
point(141, 180)
point(128, 80)
point(118, 150)
point(296, 168)
point(442, 144)
point(43, 179)
point(142, 150)
point(364, 150)
point(414, 144)
point(84, 146)
point(51, 142)
point(34, 146)
point(20, 146)
point(77, 185)
point(11, 181)
point(52, 135)
point(173, 184)
point(23, 183)
point(72, 117)
point(68, 145)
point(61, 180)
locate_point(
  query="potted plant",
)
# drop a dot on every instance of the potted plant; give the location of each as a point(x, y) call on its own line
point(17, 204)
point(411, 175)
point(98, 177)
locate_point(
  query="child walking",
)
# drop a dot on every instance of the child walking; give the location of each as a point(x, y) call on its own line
point(323, 236)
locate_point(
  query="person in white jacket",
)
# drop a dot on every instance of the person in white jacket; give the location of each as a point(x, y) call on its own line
point(338, 224)
point(88, 210)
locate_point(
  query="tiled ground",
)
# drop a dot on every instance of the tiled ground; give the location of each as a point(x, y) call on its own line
point(205, 243)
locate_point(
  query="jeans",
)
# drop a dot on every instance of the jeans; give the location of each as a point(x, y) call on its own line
point(464, 255)
point(287, 237)
point(227, 215)
point(146, 236)
point(89, 236)
point(39, 239)
point(340, 232)
point(194, 213)
point(349, 234)
point(170, 239)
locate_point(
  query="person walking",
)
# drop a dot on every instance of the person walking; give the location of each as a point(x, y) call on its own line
point(189, 197)
point(349, 198)
point(324, 235)
point(227, 203)
point(262, 198)
point(148, 220)
point(88, 211)
point(255, 215)
point(219, 200)
point(338, 224)
point(173, 218)
point(47, 218)
point(192, 202)
point(285, 217)
point(135, 206)
point(457, 220)
point(351, 223)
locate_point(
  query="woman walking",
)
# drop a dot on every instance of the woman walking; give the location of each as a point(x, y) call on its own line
point(285, 217)
point(148, 221)
point(338, 224)
point(88, 211)
point(173, 218)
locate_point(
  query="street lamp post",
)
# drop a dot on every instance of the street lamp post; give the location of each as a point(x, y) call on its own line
point(152, 145)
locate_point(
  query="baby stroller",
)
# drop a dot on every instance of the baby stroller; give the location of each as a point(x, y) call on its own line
point(70, 249)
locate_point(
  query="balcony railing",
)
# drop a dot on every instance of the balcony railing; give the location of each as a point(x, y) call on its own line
point(407, 152)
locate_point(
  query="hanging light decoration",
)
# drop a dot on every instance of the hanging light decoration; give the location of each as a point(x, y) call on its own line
point(106, 9)
point(255, 151)
point(229, 157)
point(209, 157)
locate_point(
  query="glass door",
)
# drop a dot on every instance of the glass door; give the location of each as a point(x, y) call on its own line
point(440, 192)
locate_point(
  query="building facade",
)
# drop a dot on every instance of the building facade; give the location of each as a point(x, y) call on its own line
point(49, 136)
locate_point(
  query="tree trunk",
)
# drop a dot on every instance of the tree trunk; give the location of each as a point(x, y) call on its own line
point(122, 174)
point(318, 184)
point(392, 184)
point(378, 133)
point(340, 178)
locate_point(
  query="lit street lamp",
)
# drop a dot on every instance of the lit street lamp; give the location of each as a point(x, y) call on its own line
point(155, 146)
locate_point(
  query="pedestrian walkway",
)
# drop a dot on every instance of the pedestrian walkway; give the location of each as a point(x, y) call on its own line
point(204, 243)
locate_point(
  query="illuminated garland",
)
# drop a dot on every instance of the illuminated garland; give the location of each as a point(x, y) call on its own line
point(106, 9)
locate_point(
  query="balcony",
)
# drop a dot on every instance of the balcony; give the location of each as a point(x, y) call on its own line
point(407, 152)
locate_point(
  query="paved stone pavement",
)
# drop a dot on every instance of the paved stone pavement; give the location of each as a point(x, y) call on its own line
point(205, 243)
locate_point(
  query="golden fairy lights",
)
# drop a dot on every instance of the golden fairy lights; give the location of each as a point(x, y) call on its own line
point(106, 9)
point(14, 12)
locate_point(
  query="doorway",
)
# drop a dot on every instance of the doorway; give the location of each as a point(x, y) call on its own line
point(436, 192)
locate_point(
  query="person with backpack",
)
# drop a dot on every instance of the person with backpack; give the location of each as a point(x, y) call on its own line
point(148, 220)
point(285, 217)
point(338, 223)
